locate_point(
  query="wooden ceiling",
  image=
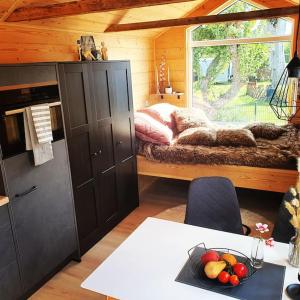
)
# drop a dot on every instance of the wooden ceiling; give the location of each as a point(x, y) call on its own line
point(99, 22)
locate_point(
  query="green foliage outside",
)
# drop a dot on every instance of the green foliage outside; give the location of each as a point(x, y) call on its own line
point(249, 63)
point(243, 108)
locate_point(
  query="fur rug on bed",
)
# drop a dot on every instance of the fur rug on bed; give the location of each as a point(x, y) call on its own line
point(280, 153)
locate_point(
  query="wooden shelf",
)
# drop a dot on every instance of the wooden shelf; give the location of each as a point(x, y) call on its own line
point(3, 200)
point(177, 95)
point(177, 99)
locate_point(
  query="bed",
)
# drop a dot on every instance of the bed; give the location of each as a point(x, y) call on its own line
point(271, 166)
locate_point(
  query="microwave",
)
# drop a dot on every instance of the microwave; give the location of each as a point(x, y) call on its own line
point(12, 107)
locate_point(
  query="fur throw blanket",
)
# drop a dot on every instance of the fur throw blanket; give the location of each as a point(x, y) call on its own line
point(280, 153)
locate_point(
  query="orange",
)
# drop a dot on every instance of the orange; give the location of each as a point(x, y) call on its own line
point(229, 258)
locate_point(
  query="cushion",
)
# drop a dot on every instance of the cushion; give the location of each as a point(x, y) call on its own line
point(267, 131)
point(150, 130)
point(235, 137)
point(161, 112)
point(190, 118)
point(198, 136)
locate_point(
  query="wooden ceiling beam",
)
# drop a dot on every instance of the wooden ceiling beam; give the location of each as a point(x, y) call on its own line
point(243, 16)
point(10, 10)
point(81, 7)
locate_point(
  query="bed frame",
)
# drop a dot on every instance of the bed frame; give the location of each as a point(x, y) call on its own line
point(275, 180)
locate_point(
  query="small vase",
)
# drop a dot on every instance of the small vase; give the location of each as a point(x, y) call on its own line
point(168, 90)
point(294, 250)
point(257, 253)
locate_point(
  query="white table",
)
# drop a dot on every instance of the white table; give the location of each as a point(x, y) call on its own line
point(145, 266)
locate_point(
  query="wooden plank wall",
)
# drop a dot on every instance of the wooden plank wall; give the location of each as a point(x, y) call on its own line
point(23, 44)
point(172, 44)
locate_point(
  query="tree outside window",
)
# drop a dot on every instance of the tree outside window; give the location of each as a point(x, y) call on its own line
point(233, 79)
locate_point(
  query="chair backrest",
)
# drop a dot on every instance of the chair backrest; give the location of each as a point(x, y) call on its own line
point(283, 229)
point(212, 203)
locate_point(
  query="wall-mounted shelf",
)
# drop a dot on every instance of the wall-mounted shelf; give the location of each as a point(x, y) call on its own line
point(163, 96)
point(177, 99)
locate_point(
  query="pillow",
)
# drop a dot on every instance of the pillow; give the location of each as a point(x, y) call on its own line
point(162, 112)
point(186, 118)
point(267, 131)
point(235, 137)
point(198, 136)
point(150, 130)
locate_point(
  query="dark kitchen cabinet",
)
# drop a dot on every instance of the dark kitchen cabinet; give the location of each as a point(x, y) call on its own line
point(10, 282)
point(124, 133)
point(98, 110)
point(123, 111)
point(78, 114)
point(42, 211)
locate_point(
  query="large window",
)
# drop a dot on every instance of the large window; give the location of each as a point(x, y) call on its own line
point(236, 66)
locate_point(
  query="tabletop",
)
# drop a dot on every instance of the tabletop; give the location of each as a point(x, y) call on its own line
point(146, 264)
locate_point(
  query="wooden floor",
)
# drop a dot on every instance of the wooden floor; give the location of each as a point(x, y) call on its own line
point(164, 199)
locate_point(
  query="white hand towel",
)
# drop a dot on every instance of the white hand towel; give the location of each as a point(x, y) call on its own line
point(41, 152)
point(42, 123)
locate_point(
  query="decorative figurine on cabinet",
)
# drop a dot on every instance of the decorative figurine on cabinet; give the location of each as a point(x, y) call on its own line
point(87, 49)
point(104, 51)
point(79, 50)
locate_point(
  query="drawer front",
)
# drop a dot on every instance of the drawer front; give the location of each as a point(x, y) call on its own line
point(43, 213)
point(7, 249)
point(10, 286)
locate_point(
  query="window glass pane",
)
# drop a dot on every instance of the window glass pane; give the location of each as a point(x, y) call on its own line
point(239, 6)
point(246, 29)
point(234, 83)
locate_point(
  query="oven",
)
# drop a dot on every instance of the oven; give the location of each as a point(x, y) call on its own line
point(12, 106)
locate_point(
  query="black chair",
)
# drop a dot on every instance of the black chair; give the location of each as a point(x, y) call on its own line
point(283, 229)
point(212, 203)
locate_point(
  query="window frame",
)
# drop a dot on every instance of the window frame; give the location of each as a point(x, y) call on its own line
point(190, 44)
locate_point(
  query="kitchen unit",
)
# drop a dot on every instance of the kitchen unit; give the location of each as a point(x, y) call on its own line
point(91, 184)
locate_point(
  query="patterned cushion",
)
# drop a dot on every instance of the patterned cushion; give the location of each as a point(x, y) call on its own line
point(235, 137)
point(267, 131)
point(197, 136)
point(190, 118)
point(150, 130)
point(162, 112)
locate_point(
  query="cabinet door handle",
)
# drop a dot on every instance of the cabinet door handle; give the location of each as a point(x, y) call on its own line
point(119, 143)
point(32, 189)
point(100, 152)
point(94, 154)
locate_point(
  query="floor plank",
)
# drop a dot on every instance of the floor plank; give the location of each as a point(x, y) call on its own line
point(161, 198)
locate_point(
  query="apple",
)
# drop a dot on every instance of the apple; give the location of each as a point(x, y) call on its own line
point(224, 277)
point(208, 256)
point(240, 270)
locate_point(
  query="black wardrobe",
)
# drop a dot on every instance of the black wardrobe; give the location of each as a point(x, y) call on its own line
point(98, 110)
point(89, 186)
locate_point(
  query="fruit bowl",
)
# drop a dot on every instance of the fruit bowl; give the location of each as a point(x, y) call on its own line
point(198, 268)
